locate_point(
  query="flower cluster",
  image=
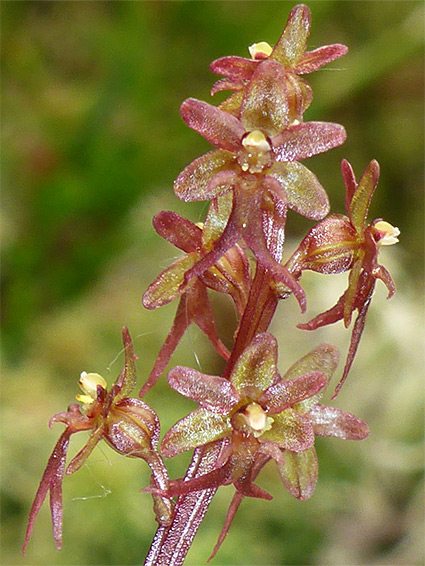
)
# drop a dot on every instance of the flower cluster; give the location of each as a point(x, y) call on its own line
point(250, 414)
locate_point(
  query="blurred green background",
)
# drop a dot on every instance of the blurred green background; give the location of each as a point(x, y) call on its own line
point(91, 143)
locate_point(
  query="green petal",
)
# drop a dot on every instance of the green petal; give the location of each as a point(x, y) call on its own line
point(361, 198)
point(290, 431)
point(304, 193)
point(265, 103)
point(292, 43)
point(167, 286)
point(197, 429)
point(256, 368)
point(299, 472)
point(216, 221)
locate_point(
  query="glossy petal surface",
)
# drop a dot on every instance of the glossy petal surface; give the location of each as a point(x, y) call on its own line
point(178, 230)
point(197, 429)
point(290, 431)
point(360, 201)
point(299, 473)
point(313, 60)
point(330, 421)
point(292, 43)
point(283, 394)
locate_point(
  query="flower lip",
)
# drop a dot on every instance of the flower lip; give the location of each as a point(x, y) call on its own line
point(256, 142)
point(260, 51)
point(253, 419)
point(386, 235)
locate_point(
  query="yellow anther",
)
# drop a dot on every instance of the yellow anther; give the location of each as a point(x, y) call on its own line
point(88, 383)
point(390, 233)
point(257, 419)
point(260, 50)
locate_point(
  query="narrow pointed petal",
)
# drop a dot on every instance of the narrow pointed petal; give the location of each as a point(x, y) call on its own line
point(284, 394)
point(353, 290)
point(169, 284)
point(213, 393)
point(85, 452)
point(303, 191)
point(178, 230)
point(265, 102)
point(290, 431)
point(126, 381)
point(312, 60)
point(380, 272)
point(220, 128)
point(51, 481)
point(193, 182)
point(354, 342)
point(256, 368)
point(330, 421)
point(274, 217)
point(360, 202)
point(299, 473)
point(249, 489)
point(236, 68)
point(349, 182)
point(225, 84)
point(328, 317)
point(197, 429)
point(307, 139)
point(233, 507)
point(292, 43)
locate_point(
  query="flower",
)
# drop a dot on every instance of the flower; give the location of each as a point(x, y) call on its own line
point(347, 243)
point(290, 52)
point(260, 415)
point(256, 159)
point(128, 425)
point(231, 275)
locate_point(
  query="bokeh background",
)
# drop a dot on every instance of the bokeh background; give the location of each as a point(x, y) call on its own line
point(91, 143)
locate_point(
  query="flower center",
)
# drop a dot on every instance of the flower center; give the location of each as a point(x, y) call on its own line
point(260, 51)
point(387, 234)
point(88, 383)
point(252, 419)
point(256, 154)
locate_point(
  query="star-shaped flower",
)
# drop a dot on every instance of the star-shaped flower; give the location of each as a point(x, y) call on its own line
point(128, 425)
point(260, 415)
point(290, 52)
point(340, 243)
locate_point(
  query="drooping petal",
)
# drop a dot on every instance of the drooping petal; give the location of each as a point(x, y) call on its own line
point(256, 368)
point(290, 431)
point(304, 193)
point(292, 43)
point(312, 60)
point(274, 217)
point(299, 473)
point(85, 452)
point(198, 428)
point(213, 393)
point(193, 182)
point(168, 285)
point(236, 68)
point(360, 202)
point(380, 272)
point(307, 139)
point(330, 421)
point(265, 103)
point(284, 394)
point(51, 481)
point(220, 128)
point(178, 230)
point(327, 317)
point(353, 290)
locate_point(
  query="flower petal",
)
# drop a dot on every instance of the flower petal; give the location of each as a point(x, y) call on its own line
point(220, 128)
point(299, 472)
point(292, 43)
point(313, 60)
point(168, 285)
point(349, 182)
point(265, 103)
point(360, 202)
point(304, 193)
point(284, 394)
point(307, 139)
point(193, 182)
point(178, 230)
point(290, 431)
point(235, 68)
point(256, 368)
point(216, 220)
point(197, 429)
point(213, 393)
point(330, 421)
